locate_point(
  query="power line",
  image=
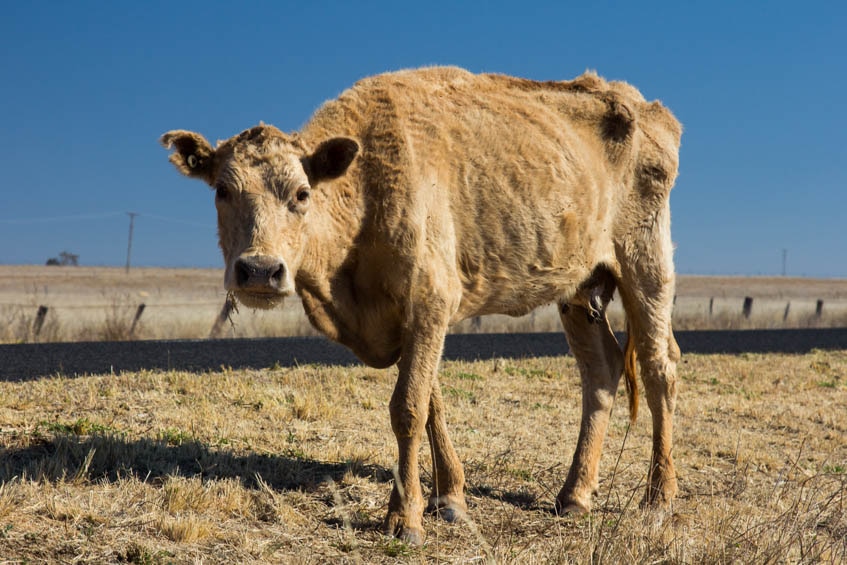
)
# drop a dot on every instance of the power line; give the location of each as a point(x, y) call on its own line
point(48, 220)
point(84, 217)
point(176, 221)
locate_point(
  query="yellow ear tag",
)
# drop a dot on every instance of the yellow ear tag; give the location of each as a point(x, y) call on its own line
point(192, 161)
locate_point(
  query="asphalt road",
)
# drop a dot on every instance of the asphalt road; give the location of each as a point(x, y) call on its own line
point(22, 362)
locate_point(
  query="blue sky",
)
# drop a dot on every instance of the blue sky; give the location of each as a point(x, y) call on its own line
point(86, 89)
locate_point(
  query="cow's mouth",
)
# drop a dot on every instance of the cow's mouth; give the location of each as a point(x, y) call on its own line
point(260, 300)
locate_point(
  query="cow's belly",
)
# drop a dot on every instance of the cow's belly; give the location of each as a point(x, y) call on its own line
point(518, 267)
point(519, 247)
point(518, 294)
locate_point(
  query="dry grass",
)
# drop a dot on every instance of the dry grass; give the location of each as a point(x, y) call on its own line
point(294, 466)
point(99, 303)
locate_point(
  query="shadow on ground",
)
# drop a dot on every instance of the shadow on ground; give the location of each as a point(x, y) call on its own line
point(107, 457)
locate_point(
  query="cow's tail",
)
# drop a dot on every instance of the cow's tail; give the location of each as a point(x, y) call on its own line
point(630, 376)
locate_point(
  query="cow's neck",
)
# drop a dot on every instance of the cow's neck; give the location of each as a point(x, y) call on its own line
point(325, 283)
point(335, 214)
point(323, 280)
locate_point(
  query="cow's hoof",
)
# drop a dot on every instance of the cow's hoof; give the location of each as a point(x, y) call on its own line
point(658, 497)
point(660, 491)
point(411, 536)
point(450, 513)
point(451, 509)
point(567, 507)
point(394, 527)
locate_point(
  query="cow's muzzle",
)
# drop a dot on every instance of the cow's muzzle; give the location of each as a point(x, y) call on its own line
point(260, 280)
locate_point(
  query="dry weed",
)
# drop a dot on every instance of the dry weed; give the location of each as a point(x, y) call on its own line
point(294, 465)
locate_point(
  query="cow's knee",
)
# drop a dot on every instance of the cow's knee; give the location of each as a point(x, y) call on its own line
point(659, 371)
point(406, 420)
point(674, 354)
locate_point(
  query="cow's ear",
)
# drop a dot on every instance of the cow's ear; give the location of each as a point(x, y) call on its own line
point(331, 159)
point(194, 156)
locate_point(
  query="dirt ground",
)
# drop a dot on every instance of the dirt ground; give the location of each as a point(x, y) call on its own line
point(295, 466)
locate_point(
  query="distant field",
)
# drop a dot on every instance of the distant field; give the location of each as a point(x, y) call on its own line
point(96, 303)
point(294, 466)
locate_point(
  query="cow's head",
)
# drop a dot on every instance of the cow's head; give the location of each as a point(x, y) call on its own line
point(263, 180)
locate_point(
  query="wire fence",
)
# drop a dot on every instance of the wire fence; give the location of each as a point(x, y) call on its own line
point(42, 321)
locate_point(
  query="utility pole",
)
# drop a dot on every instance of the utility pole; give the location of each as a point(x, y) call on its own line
point(784, 261)
point(132, 216)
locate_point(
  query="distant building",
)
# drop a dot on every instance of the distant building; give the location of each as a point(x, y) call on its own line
point(65, 259)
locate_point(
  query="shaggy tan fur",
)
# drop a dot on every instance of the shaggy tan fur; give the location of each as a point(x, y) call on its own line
point(422, 197)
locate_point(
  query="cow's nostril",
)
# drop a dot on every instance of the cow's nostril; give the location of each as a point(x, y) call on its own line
point(277, 275)
point(242, 272)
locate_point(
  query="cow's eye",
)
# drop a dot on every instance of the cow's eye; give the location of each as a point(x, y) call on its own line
point(221, 192)
point(303, 195)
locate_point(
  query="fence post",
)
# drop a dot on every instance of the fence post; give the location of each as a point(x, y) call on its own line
point(748, 306)
point(787, 308)
point(39, 321)
point(217, 328)
point(819, 309)
point(138, 314)
point(711, 305)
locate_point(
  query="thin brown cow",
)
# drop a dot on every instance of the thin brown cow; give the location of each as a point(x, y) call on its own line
point(423, 197)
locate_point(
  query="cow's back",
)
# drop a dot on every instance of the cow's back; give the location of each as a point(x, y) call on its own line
point(521, 181)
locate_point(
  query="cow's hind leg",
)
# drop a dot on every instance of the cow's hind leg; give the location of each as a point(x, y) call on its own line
point(448, 497)
point(647, 290)
point(600, 363)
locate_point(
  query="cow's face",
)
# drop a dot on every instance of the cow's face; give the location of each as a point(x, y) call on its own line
point(264, 182)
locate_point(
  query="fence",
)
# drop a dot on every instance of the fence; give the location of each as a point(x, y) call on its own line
point(769, 312)
point(124, 320)
point(213, 320)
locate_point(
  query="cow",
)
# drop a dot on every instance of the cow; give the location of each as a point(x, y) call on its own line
point(423, 197)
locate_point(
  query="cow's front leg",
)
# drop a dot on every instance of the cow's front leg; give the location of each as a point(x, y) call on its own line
point(410, 409)
point(448, 490)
